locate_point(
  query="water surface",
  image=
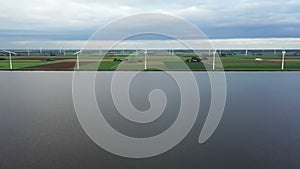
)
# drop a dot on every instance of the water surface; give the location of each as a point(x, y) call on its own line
point(260, 127)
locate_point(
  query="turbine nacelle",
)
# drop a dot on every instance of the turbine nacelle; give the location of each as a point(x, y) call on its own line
point(9, 52)
point(76, 53)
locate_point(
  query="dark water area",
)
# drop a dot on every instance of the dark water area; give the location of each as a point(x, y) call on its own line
point(260, 127)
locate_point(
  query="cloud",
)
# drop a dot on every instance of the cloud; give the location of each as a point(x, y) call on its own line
point(224, 44)
point(84, 16)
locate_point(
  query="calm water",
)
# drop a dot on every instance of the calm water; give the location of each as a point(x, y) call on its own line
point(260, 127)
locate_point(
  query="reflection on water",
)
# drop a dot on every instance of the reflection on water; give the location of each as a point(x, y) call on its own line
point(260, 126)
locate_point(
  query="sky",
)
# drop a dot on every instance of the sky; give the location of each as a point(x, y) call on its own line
point(220, 44)
point(79, 19)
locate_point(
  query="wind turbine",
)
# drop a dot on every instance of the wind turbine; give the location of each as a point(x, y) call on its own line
point(62, 50)
point(100, 52)
point(214, 59)
point(283, 57)
point(145, 66)
point(246, 53)
point(10, 59)
point(77, 59)
point(136, 51)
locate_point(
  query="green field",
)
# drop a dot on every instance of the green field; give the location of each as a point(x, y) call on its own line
point(21, 64)
point(129, 62)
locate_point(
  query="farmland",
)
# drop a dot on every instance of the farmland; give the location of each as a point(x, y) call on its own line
point(235, 61)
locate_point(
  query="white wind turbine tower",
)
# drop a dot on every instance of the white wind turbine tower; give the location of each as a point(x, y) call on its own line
point(136, 51)
point(146, 53)
point(63, 50)
point(283, 57)
point(214, 59)
point(100, 52)
point(10, 59)
point(246, 53)
point(77, 59)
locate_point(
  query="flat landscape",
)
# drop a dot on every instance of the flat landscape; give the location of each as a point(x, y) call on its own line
point(229, 61)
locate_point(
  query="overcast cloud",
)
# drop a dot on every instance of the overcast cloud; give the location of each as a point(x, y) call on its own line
point(78, 19)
